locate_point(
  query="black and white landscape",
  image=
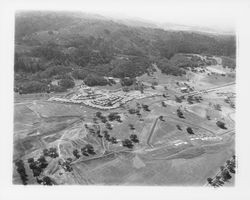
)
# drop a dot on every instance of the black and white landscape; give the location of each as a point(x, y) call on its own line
point(105, 101)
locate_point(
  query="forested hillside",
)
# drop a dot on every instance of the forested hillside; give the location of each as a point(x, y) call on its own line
point(68, 46)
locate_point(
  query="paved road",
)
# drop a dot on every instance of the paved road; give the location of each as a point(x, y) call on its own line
point(151, 132)
point(208, 89)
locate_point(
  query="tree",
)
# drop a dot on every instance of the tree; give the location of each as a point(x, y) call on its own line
point(161, 118)
point(131, 126)
point(145, 107)
point(221, 124)
point(178, 99)
point(98, 114)
point(178, 127)
point(190, 131)
point(180, 113)
point(163, 104)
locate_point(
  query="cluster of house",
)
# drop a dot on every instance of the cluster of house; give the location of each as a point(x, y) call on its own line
point(107, 102)
point(102, 99)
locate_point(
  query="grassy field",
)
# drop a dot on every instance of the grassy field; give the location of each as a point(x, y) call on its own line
point(165, 155)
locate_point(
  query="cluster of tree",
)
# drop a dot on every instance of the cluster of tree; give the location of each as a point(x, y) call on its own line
point(66, 82)
point(89, 51)
point(129, 143)
point(87, 150)
point(76, 153)
point(132, 67)
point(46, 180)
point(127, 81)
point(96, 50)
point(224, 174)
point(37, 166)
point(114, 116)
point(179, 99)
point(111, 117)
point(108, 137)
point(183, 42)
point(50, 51)
point(136, 111)
point(66, 165)
point(108, 126)
point(22, 172)
point(193, 98)
point(55, 70)
point(80, 74)
point(40, 86)
point(94, 80)
point(168, 68)
point(51, 152)
point(139, 86)
point(134, 138)
point(32, 87)
point(228, 62)
point(101, 117)
point(23, 63)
